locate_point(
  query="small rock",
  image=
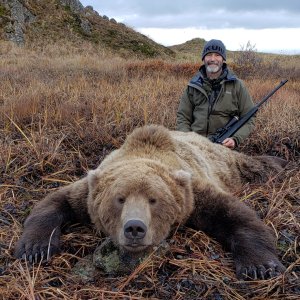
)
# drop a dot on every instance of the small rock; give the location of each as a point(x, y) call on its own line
point(111, 260)
point(84, 270)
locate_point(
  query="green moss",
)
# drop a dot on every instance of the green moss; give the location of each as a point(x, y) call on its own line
point(75, 22)
point(111, 262)
point(112, 33)
point(3, 11)
point(67, 8)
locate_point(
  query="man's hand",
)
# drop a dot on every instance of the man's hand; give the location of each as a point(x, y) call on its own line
point(229, 143)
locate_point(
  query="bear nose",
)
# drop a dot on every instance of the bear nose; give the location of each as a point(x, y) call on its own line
point(135, 229)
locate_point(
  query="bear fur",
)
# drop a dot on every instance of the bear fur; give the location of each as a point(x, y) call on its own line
point(156, 180)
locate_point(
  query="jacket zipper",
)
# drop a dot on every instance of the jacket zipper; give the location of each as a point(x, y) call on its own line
point(207, 122)
point(212, 108)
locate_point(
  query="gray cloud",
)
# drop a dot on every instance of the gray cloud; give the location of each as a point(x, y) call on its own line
point(254, 14)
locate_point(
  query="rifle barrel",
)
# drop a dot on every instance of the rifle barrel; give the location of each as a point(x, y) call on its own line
point(283, 82)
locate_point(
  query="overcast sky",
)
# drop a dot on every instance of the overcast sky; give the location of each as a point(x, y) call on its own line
point(270, 25)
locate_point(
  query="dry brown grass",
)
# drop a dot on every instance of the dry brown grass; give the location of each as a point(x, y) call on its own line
point(60, 114)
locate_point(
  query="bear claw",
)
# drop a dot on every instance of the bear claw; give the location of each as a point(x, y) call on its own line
point(37, 257)
point(36, 253)
point(267, 271)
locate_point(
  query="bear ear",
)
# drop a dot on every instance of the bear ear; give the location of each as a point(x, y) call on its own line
point(182, 177)
point(92, 178)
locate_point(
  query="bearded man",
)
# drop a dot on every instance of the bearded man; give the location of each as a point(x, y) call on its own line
point(213, 97)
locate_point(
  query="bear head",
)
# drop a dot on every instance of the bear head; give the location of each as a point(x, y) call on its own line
point(136, 202)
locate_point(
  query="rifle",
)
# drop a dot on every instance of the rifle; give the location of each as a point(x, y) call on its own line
point(235, 123)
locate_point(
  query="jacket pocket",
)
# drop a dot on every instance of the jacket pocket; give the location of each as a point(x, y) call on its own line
point(226, 106)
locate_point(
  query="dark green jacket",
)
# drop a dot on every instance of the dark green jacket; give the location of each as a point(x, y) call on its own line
point(195, 113)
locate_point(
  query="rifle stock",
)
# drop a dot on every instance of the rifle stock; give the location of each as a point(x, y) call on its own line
point(235, 124)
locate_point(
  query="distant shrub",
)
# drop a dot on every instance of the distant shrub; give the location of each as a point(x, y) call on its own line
point(249, 64)
point(246, 62)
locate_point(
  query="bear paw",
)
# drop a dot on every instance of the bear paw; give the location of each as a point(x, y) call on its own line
point(266, 270)
point(37, 249)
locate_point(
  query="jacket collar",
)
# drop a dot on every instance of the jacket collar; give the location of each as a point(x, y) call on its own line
point(200, 77)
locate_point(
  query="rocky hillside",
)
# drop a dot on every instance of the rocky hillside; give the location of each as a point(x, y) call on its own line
point(52, 21)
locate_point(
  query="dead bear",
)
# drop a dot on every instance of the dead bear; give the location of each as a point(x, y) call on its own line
point(157, 179)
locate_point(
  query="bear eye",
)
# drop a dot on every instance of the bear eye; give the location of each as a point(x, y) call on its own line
point(152, 201)
point(121, 200)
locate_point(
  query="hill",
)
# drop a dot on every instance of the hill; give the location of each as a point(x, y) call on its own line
point(28, 22)
point(193, 46)
point(191, 50)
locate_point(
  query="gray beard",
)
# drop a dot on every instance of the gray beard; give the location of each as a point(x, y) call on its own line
point(213, 68)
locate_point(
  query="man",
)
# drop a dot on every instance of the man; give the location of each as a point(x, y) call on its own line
point(213, 97)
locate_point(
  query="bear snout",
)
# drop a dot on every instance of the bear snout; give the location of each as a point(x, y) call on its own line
point(135, 229)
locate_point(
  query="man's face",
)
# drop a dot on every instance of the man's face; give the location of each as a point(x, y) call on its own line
point(213, 62)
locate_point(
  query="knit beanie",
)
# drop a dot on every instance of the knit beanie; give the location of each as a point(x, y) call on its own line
point(215, 46)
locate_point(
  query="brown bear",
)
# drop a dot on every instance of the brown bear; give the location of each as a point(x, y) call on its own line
point(157, 179)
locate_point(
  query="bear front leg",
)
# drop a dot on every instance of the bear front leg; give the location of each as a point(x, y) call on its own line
point(42, 229)
point(239, 230)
